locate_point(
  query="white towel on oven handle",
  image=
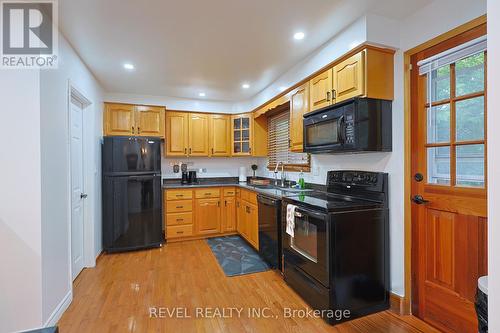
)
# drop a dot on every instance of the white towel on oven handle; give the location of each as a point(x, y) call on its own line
point(290, 219)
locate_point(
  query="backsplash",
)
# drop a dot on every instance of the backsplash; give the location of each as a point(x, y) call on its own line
point(213, 166)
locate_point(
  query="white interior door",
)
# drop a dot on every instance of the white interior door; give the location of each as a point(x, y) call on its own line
point(77, 191)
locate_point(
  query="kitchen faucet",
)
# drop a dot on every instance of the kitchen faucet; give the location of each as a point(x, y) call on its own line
point(283, 176)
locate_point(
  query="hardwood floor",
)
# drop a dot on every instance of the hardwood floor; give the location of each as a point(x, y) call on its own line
point(117, 295)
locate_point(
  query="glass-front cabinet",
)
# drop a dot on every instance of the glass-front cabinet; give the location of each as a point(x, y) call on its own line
point(241, 134)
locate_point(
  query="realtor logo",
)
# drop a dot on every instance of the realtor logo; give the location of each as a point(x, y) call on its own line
point(29, 34)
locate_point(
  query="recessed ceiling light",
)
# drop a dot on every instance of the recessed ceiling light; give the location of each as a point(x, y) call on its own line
point(299, 35)
point(202, 94)
point(245, 86)
point(129, 66)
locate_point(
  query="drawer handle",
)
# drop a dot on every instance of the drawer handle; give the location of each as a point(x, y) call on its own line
point(179, 206)
point(180, 232)
point(207, 193)
point(230, 192)
point(179, 220)
point(179, 195)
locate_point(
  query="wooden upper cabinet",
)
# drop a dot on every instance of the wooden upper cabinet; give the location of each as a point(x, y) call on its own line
point(207, 216)
point(138, 120)
point(198, 134)
point(220, 135)
point(349, 78)
point(299, 105)
point(241, 134)
point(150, 120)
point(119, 119)
point(176, 128)
point(320, 89)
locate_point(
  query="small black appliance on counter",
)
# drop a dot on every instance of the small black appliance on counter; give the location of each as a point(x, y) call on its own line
point(338, 256)
point(131, 193)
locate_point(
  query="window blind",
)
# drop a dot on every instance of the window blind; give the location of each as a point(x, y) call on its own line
point(452, 55)
point(279, 142)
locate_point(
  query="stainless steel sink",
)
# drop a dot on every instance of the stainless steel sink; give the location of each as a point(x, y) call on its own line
point(285, 189)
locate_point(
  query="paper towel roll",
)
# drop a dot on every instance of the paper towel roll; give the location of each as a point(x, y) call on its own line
point(243, 174)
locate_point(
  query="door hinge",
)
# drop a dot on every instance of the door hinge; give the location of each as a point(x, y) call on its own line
point(411, 66)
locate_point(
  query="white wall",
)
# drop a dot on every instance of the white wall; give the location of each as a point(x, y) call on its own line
point(55, 173)
point(493, 165)
point(215, 167)
point(20, 202)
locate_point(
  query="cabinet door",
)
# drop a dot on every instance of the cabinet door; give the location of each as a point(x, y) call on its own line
point(198, 134)
point(253, 226)
point(220, 135)
point(119, 119)
point(320, 89)
point(241, 134)
point(176, 143)
point(150, 120)
point(299, 105)
point(207, 216)
point(229, 215)
point(349, 77)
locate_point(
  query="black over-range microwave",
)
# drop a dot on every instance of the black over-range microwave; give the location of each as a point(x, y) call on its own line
point(355, 125)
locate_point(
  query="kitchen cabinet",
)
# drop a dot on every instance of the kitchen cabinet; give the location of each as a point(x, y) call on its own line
point(208, 216)
point(198, 134)
point(137, 120)
point(299, 105)
point(248, 219)
point(367, 73)
point(220, 135)
point(253, 225)
point(229, 214)
point(349, 78)
point(178, 219)
point(320, 89)
point(241, 134)
point(176, 143)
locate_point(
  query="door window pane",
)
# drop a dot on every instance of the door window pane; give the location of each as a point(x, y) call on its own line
point(440, 84)
point(245, 135)
point(470, 74)
point(470, 119)
point(237, 123)
point(438, 123)
point(470, 165)
point(237, 147)
point(438, 165)
point(246, 122)
point(245, 147)
point(237, 135)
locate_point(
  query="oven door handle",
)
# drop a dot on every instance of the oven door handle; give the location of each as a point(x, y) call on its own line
point(300, 212)
point(340, 129)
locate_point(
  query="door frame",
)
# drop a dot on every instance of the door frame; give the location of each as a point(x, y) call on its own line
point(406, 302)
point(74, 92)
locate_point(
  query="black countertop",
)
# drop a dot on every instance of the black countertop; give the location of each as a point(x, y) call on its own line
point(232, 181)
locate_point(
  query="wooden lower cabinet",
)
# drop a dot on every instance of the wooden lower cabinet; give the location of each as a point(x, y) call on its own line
point(211, 211)
point(208, 216)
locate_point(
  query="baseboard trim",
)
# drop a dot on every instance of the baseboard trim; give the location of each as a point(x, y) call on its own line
point(59, 310)
point(397, 304)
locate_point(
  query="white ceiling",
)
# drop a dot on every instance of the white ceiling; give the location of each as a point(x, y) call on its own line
point(181, 48)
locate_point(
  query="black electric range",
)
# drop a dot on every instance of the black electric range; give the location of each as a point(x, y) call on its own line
point(337, 256)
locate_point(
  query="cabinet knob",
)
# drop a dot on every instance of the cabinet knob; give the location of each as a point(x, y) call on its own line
point(328, 95)
point(133, 130)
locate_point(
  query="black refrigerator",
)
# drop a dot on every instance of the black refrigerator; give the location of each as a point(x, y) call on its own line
point(131, 193)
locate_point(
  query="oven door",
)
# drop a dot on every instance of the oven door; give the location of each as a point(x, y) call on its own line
point(324, 131)
point(309, 248)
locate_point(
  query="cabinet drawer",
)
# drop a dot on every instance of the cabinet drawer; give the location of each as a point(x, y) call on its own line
point(179, 206)
point(207, 193)
point(177, 231)
point(178, 194)
point(249, 196)
point(229, 192)
point(179, 218)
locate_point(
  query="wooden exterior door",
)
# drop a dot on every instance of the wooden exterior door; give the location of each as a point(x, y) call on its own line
point(220, 135)
point(449, 220)
point(176, 143)
point(320, 90)
point(198, 134)
point(119, 119)
point(150, 120)
point(208, 216)
point(349, 78)
point(299, 105)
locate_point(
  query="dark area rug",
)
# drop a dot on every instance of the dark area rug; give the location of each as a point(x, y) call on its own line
point(235, 256)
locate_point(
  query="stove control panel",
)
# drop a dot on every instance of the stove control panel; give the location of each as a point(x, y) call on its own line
point(361, 178)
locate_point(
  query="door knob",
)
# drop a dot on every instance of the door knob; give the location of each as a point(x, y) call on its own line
point(83, 195)
point(418, 199)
